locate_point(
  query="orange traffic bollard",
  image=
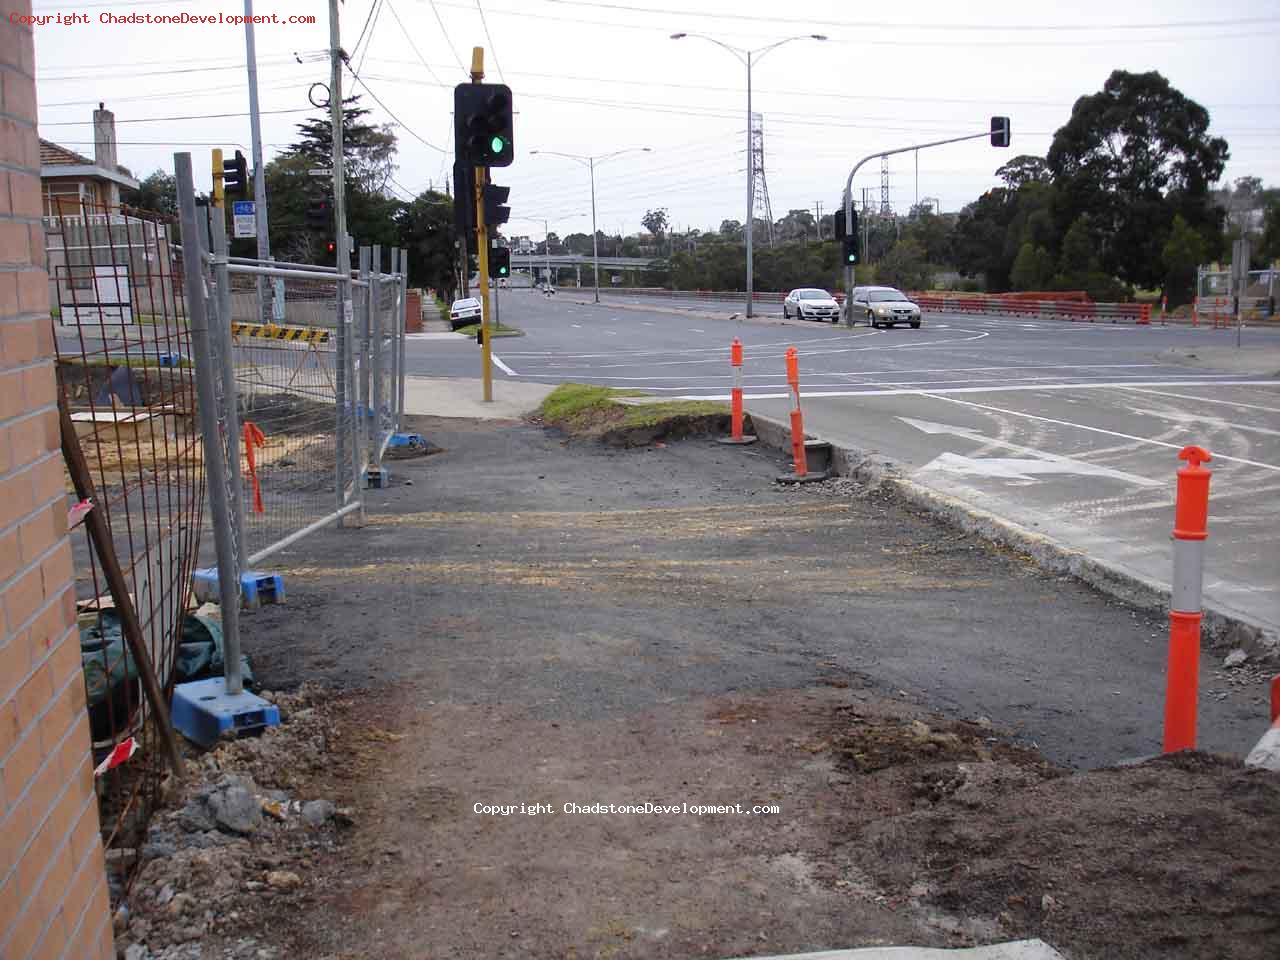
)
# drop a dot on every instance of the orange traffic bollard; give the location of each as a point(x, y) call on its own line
point(797, 418)
point(735, 396)
point(1267, 753)
point(1190, 530)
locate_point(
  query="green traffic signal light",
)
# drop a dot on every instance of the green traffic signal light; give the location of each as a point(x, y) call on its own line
point(497, 145)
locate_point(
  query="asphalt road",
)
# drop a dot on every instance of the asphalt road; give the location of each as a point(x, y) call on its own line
point(1069, 429)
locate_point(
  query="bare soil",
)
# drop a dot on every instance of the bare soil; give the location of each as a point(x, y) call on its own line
point(535, 621)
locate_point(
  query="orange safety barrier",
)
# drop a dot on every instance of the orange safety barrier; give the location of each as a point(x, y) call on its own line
point(1190, 530)
point(254, 437)
point(735, 397)
point(797, 418)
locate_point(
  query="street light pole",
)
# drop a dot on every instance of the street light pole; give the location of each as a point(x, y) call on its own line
point(590, 164)
point(748, 57)
point(595, 240)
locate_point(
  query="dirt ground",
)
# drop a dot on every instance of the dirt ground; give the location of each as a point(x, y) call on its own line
point(530, 622)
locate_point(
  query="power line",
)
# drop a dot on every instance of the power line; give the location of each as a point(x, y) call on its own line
point(488, 36)
point(373, 8)
point(413, 45)
point(444, 31)
point(883, 25)
point(404, 126)
point(377, 12)
point(203, 116)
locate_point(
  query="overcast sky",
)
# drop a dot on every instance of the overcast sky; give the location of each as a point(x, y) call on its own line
point(595, 76)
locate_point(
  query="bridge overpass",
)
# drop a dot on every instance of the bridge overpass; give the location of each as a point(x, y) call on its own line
point(537, 266)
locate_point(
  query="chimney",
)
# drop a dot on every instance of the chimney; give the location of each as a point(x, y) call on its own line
point(104, 150)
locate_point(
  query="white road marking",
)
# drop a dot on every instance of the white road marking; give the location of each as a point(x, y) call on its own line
point(1229, 403)
point(576, 326)
point(1015, 469)
point(1014, 389)
point(1008, 468)
point(502, 366)
point(1188, 420)
point(937, 395)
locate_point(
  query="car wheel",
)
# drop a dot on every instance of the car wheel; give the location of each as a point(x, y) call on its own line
point(915, 324)
point(871, 319)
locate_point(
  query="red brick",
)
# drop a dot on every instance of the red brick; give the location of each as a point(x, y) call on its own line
point(15, 664)
point(48, 630)
point(65, 662)
point(19, 96)
point(6, 207)
point(48, 477)
point(12, 394)
point(85, 836)
point(15, 495)
point(13, 149)
point(43, 793)
point(34, 696)
point(24, 194)
point(17, 341)
point(9, 899)
point(22, 764)
point(33, 294)
point(8, 304)
point(59, 717)
point(40, 386)
point(25, 933)
point(38, 534)
point(75, 759)
point(9, 556)
point(28, 440)
point(23, 599)
point(15, 242)
point(9, 729)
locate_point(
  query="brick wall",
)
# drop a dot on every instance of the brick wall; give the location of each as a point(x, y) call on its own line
point(53, 894)
point(413, 311)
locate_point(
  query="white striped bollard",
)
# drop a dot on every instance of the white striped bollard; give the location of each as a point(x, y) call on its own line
point(1190, 530)
point(736, 435)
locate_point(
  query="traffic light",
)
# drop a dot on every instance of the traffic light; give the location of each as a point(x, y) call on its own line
point(464, 199)
point(999, 131)
point(499, 263)
point(331, 247)
point(482, 124)
point(494, 198)
point(320, 213)
point(848, 238)
point(235, 175)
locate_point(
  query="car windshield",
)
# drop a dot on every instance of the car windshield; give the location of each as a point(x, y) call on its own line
point(461, 304)
point(813, 295)
point(879, 296)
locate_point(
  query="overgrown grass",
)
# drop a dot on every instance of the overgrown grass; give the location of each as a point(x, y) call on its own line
point(592, 412)
point(184, 363)
point(471, 329)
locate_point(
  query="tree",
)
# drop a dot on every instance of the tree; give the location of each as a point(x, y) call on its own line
point(1133, 156)
point(904, 267)
point(1269, 243)
point(731, 229)
point(368, 152)
point(156, 194)
point(796, 225)
point(1022, 170)
point(1183, 252)
point(426, 231)
point(655, 221)
point(1033, 268)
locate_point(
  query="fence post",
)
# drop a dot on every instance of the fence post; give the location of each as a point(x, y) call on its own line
point(220, 334)
point(375, 363)
point(361, 408)
point(1191, 514)
point(404, 331)
point(215, 467)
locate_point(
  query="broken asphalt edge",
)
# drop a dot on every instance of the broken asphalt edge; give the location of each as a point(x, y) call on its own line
point(1014, 950)
point(1112, 579)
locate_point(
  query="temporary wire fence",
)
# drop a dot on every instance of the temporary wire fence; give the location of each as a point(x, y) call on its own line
point(128, 387)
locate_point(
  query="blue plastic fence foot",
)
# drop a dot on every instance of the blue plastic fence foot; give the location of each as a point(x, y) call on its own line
point(255, 588)
point(203, 711)
point(375, 478)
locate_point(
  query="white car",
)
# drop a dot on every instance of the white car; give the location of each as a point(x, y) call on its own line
point(883, 307)
point(809, 303)
point(464, 312)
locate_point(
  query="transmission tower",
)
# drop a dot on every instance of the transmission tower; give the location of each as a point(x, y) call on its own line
point(885, 209)
point(759, 186)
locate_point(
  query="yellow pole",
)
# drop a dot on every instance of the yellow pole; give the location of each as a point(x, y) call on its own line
point(482, 250)
point(482, 256)
point(217, 179)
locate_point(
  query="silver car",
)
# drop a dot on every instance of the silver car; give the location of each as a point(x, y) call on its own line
point(809, 303)
point(883, 306)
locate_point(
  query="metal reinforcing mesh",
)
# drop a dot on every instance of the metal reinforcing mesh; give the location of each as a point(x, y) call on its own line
point(286, 377)
point(125, 373)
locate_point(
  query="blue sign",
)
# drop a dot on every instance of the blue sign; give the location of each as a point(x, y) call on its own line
point(242, 208)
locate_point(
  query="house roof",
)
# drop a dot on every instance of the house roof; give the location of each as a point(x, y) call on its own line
point(56, 161)
point(52, 155)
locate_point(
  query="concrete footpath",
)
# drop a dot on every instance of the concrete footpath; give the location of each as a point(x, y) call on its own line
point(462, 397)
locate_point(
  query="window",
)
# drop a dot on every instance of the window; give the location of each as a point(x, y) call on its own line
point(882, 296)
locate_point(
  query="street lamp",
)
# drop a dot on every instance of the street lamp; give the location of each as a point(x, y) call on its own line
point(546, 236)
point(590, 163)
point(748, 57)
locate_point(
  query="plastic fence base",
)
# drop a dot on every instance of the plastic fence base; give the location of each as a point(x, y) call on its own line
point(203, 711)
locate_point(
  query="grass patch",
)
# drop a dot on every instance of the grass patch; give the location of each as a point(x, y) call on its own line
point(184, 363)
point(471, 329)
point(592, 413)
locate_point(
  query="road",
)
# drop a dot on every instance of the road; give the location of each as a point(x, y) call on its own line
point(1068, 429)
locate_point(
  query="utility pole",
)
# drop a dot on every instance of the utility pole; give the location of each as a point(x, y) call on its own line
point(482, 251)
point(342, 248)
point(265, 288)
point(817, 207)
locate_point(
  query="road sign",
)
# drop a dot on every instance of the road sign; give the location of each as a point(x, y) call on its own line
point(320, 172)
point(243, 212)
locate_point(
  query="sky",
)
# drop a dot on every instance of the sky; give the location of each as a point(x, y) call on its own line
point(592, 77)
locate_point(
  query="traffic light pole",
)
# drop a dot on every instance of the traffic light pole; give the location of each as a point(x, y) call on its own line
point(265, 287)
point(482, 251)
point(849, 281)
point(345, 313)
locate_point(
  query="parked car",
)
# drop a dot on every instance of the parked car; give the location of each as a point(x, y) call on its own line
point(884, 306)
point(808, 303)
point(464, 312)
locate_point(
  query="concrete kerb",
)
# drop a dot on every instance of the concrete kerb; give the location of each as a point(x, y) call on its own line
point(1222, 627)
point(1014, 950)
